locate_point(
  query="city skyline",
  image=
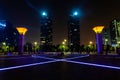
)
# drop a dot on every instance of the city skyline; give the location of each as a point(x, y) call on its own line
point(94, 13)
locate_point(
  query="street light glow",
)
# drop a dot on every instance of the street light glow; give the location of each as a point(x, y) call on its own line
point(4, 43)
point(75, 13)
point(35, 43)
point(106, 40)
point(65, 40)
point(44, 13)
point(90, 42)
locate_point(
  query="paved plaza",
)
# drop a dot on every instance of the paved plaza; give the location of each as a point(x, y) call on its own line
point(57, 67)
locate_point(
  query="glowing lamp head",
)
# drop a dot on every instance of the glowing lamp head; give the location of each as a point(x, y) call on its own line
point(65, 40)
point(75, 13)
point(22, 30)
point(98, 29)
point(106, 40)
point(44, 14)
point(90, 42)
point(35, 43)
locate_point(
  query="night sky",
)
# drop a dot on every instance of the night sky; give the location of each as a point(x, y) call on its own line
point(27, 13)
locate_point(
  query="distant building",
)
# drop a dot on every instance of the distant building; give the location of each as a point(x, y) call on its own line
point(8, 34)
point(74, 33)
point(106, 36)
point(46, 31)
point(115, 31)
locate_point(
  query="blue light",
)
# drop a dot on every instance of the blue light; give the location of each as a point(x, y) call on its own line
point(75, 13)
point(21, 66)
point(2, 24)
point(37, 56)
point(13, 58)
point(79, 57)
point(57, 60)
point(92, 64)
point(44, 13)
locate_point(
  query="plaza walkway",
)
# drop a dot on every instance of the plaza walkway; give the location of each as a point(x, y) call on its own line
point(56, 67)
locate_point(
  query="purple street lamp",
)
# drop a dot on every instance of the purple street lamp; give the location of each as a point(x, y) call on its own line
point(22, 31)
point(98, 30)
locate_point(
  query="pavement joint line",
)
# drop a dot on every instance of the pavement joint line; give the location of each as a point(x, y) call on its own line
point(78, 57)
point(43, 57)
point(13, 58)
point(27, 65)
point(64, 60)
point(35, 56)
point(93, 64)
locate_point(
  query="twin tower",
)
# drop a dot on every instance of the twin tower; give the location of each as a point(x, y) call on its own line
point(73, 31)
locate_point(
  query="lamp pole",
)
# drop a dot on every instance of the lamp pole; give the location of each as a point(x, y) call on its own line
point(98, 30)
point(35, 46)
point(22, 31)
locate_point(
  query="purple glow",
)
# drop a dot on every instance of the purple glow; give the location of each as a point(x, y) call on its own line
point(35, 56)
point(13, 58)
point(92, 64)
point(56, 60)
point(21, 44)
point(27, 65)
point(99, 43)
point(79, 57)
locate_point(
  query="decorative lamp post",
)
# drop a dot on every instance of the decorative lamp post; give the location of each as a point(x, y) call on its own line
point(64, 45)
point(106, 41)
point(90, 42)
point(35, 46)
point(98, 30)
point(22, 31)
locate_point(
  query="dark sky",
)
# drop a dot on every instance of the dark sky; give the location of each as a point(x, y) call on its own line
point(27, 13)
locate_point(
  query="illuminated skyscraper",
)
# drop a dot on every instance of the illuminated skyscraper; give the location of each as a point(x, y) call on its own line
point(2, 30)
point(106, 36)
point(74, 32)
point(115, 31)
point(8, 33)
point(45, 31)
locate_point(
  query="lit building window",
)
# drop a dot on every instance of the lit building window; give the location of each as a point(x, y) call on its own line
point(14, 33)
point(71, 43)
point(43, 42)
point(6, 38)
point(75, 29)
point(46, 23)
